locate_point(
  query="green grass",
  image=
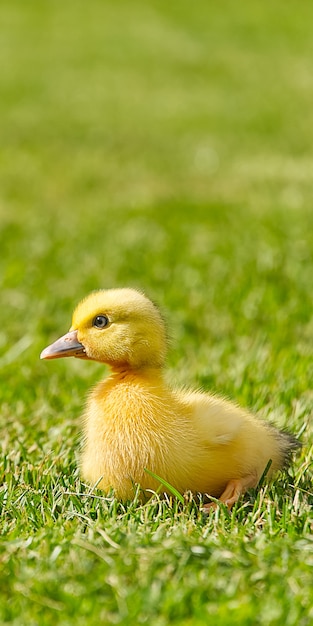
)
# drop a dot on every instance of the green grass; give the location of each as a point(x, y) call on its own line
point(167, 147)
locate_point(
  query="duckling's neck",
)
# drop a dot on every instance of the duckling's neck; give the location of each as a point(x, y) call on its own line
point(124, 372)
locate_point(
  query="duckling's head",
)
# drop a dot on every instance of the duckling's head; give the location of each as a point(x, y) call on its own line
point(120, 327)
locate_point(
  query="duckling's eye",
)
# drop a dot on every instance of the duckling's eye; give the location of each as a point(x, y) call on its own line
point(100, 321)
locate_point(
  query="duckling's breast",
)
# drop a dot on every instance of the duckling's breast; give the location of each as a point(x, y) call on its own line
point(132, 424)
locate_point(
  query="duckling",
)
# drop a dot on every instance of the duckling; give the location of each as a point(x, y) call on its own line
point(133, 421)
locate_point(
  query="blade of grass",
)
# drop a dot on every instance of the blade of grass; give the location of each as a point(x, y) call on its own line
point(167, 485)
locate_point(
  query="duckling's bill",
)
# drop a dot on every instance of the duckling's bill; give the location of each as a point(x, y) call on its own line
point(68, 345)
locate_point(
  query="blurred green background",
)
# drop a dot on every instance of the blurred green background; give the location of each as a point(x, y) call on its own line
point(166, 148)
point(169, 147)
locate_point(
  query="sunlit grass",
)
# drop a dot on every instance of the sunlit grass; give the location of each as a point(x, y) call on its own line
point(170, 149)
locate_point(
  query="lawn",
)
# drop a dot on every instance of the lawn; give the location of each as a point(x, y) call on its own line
point(169, 147)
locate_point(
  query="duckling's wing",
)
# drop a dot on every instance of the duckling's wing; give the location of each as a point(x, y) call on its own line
point(219, 424)
point(218, 421)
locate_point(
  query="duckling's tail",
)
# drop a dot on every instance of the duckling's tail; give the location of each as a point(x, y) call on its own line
point(288, 444)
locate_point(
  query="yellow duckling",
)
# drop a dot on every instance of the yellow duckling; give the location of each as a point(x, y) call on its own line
point(193, 440)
